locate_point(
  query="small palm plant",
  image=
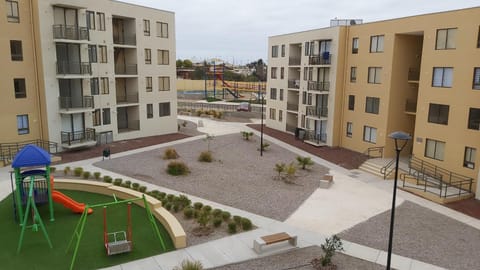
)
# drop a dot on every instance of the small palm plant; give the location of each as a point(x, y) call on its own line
point(189, 265)
point(279, 168)
point(304, 162)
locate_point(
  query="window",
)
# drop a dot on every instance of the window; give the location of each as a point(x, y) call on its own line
point(305, 73)
point(351, 102)
point(372, 105)
point(163, 83)
point(280, 115)
point(478, 38)
point(148, 56)
point(309, 99)
point(302, 121)
point(353, 74)
point(369, 134)
point(281, 94)
point(148, 84)
point(104, 89)
point(272, 113)
point(92, 53)
point(476, 78)
point(304, 98)
point(146, 27)
point(282, 72)
point(273, 93)
point(469, 159)
point(349, 129)
point(442, 77)
point(355, 45)
point(376, 44)
point(164, 109)
point(102, 51)
point(446, 39)
point(16, 50)
point(283, 50)
point(438, 114)
point(275, 51)
point(20, 89)
point(22, 124)
point(163, 57)
point(434, 149)
point(307, 48)
point(474, 119)
point(106, 116)
point(96, 117)
point(374, 75)
point(12, 11)
point(162, 29)
point(90, 20)
point(310, 73)
point(273, 73)
point(149, 110)
point(94, 88)
point(101, 21)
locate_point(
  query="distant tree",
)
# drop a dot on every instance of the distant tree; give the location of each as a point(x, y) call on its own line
point(198, 73)
point(180, 63)
point(187, 63)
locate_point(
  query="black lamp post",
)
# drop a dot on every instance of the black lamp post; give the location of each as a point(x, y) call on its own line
point(401, 138)
point(261, 125)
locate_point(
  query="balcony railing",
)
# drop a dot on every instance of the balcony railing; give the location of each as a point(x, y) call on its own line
point(294, 61)
point(77, 137)
point(314, 137)
point(127, 98)
point(125, 40)
point(323, 59)
point(72, 32)
point(317, 111)
point(292, 107)
point(413, 74)
point(67, 67)
point(291, 128)
point(411, 106)
point(295, 84)
point(318, 86)
point(76, 103)
point(129, 69)
point(131, 125)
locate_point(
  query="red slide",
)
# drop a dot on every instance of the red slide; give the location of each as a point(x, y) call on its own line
point(68, 202)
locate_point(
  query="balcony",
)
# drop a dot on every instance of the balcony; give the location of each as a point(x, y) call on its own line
point(317, 112)
point(314, 138)
point(292, 107)
point(70, 32)
point(411, 106)
point(131, 125)
point(68, 103)
point(318, 86)
point(125, 40)
point(413, 75)
point(127, 69)
point(294, 61)
point(295, 84)
point(122, 99)
point(73, 68)
point(291, 128)
point(323, 59)
point(78, 138)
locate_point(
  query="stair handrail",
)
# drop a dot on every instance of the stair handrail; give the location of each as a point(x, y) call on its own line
point(378, 149)
point(9, 150)
point(386, 170)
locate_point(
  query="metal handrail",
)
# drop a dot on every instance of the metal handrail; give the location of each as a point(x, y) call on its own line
point(312, 136)
point(317, 111)
point(386, 170)
point(318, 86)
point(72, 67)
point(295, 84)
point(72, 103)
point(71, 32)
point(323, 59)
point(8, 151)
point(78, 136)
point(127, 69)
point(378, 149)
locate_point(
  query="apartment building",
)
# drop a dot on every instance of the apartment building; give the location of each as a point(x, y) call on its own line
point(418, 74)
point(87, 72)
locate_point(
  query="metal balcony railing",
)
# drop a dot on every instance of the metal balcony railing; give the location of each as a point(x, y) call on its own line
point(129, 69)
point(411, 106)
point(312, 136)
point(317, 111)
point(125, 40)
point(77, 68)
point(77, 137)
point(133, 98)
point(295, 84)
point(318, 86)
point(294, 61)
point(413, 74)
point(76, 103)
point(291, 128)
point(71, 32)
point(8, 151)
point(292, 107)
point(323, 59)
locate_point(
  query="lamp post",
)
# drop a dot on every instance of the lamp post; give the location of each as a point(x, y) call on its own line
point(401, 138)
point(261, 125)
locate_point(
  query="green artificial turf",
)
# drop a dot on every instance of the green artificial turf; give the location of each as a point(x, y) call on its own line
point(36, 254)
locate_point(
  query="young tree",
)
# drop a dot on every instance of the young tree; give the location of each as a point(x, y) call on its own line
point(304, 162)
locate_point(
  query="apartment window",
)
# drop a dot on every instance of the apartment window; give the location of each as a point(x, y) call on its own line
point(163, 57)
point(309, 99)
point(20, 89)
point(281, 94)
point(162, 29)
point(12, 11)
point(273, 93)
point(376, 44)
point(351, 102)
point(104, 88)
point(374, 75)
point(372, 105)
point(442, 77)
point(307, 48)
point(446, 39)
point(148, 56)
point(280, 115)
point(148, 84)
point(16, 50)
point(369, 134)
point(272, 113)
point(304, 98)
point(476, 78)
point(97, 117)
point(101, 21)
point(434, 149)
point(92, 53)
point(438, 113)
point(146, 27)
point(353, 74)
point(149, 110)
point(22, 124)
point(106, 116)
point(302, 121)
point(310, 73)
point(102, 52)
point(349, 129)
point(469, 159)
point(355, 45)
point(273, 73)
point(478, 38)
point(163, 83)
point(283, 50)
point(305, 73)
point(282, 72)
point(275, 51)
point(474, 119)
point(90, 20)
point(164, 109)
point(94, 88)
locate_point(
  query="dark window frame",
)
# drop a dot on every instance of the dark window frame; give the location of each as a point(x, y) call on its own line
point(16, 50)
point(474, 119)
point(24, 127)
point(12, 6)
point(355, 42)
point(164, 112)
point(20, 88)
point(438, 113)
point(351, 102)
point(446, 39)
point(372, 105)
point(476, 78)
point(106, 116)
point(149, 110)
point(469, 157)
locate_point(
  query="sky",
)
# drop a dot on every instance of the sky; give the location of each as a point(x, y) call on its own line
point(237, 31)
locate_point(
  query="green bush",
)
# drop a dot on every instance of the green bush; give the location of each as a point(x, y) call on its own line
point(142, 189)
point(304, 162)
point(176, 168)
point(232, 227)
point(217, 222)
point(196, 213)
point(162, 195)
point(175, 208)
point(198, 205)
point(135, 186)
point(226, 215)
point(246, 135)
point(127, 184)
point(170, 153)
point(237, 219)
point(217, 212)
point(97, 175)
point(246, 224)
point(189, 265)
point(86, 175)
point(203, 218)
point(207, 208)
point(53, 169)
point(78, 171)
point(188, 212)
point(107, 179)
point(118, 181)
point(184, 200)
point(168, 206)
point(66, 170)
point(170, 197)
point(205, 156)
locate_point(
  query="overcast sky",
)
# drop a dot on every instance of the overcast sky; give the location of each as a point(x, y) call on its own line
point(238, 30)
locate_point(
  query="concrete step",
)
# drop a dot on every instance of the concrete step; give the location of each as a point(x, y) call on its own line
point(371, 168)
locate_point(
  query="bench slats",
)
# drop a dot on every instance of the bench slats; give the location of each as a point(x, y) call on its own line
point(275, 238)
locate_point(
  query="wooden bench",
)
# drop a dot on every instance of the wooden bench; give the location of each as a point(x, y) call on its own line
point(326, 181)
point(272, 239)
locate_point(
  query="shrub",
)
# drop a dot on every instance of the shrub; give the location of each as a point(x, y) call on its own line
point(154, 192)
point(207, 208)
point(97, 175)
point(196, 213)
point(331, 245)
point(53, 169)
point(170, 153)
point(175, 208)
point(66, 170)
point(237, 219)
point(142, 189)
point(304, 162)
point(184, 200)
point(170, 197)
point(246, 135)
point(246, 224)
point(204, 218)
point(168, 206)
point(135, 186)
point(198, 205)
point(78, 171)
point(162, 195)
point(177, 168)
point(217, 212)
point(188, 212)
point(117, 181)
point(189, 265)
point(217, 221)
point(232, 227)
point(205, 156)
point(86, 175)
point(219, 115)
point(264, 147)
point(280, 168)
point(127, 184)
point(107, 179)
point(226, 215)
point(199, 112)
point(290, 170)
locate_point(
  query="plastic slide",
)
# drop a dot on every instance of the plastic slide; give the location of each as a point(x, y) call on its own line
point(68, 202)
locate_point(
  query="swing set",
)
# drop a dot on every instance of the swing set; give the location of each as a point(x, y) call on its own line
point(115, 242)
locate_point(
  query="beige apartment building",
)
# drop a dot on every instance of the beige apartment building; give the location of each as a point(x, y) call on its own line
point(95, 72)
point(418, 74)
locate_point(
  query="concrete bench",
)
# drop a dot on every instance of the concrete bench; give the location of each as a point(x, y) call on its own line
point(272, 239)
point(326, 181)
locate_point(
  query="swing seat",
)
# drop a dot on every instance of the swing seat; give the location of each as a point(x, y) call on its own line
point(119, 243)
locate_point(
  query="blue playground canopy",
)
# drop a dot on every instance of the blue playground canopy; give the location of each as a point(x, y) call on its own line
point(31, 155)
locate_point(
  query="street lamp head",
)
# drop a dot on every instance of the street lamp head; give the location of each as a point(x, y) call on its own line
point(400, 136)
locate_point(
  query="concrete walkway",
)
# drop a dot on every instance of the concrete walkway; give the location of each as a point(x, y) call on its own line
point(353, 198)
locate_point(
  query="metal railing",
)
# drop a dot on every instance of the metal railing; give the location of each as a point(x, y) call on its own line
point(411, 106)
point(71, 32)
point(8, 151)
point(128, 69)
point(127, 98)
point(413, 74)
point(290, 128)
point(125, 40)
point(130, 125)
point(75, 103)
point(387, 169)
point(257, 108)
point(77, 137)
point(294, 61)
point(314, 137)
point(292, 107)
point(318, 86)
point(323, 59)
point(317, 111)
point(374, 152)
point(68, 67)
point(294, 84)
